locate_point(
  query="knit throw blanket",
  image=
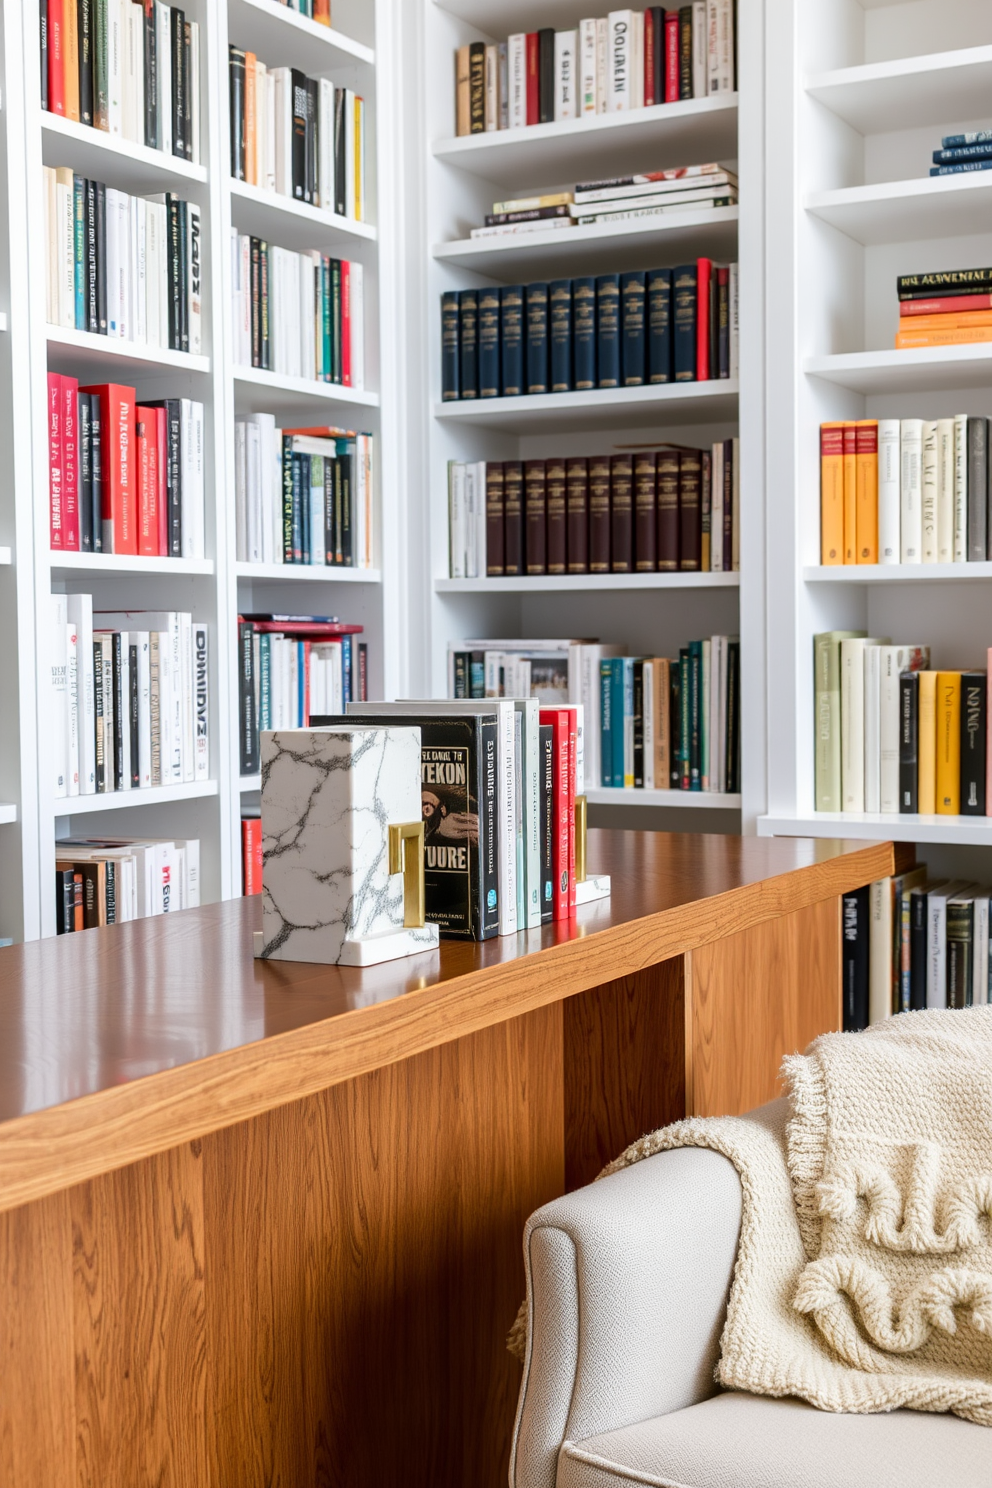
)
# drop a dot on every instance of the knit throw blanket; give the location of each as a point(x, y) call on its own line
point(864, 1273)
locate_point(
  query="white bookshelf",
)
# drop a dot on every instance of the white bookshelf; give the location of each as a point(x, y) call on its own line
point(648, 613)
point(858, 96)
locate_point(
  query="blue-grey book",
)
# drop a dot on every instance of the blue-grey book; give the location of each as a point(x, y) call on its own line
point(584, 333)
point(537, 337)
point(958, 153)
point(608, 330)
point(468, 341)
point(965, 165)
point(659, 325)
point(633, 292)
point(511, 309)
point(684, 323)
point(489, 335)
point(560, 317)
point(450, 337)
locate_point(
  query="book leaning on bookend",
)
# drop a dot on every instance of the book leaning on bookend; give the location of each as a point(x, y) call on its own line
point(458, 800)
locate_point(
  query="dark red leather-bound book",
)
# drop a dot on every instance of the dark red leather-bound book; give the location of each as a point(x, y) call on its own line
point(495, 546)
point(690, 509)
point(577, 510)
point(513, 518)
point(599, 514)
point(668, 510)
point(535, 517)
point(622, 513)
point(645, 512)
point(556, 518)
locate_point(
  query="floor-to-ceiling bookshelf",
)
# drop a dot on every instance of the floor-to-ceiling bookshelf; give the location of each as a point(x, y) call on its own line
point(858, 95)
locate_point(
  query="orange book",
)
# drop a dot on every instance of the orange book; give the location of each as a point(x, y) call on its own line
point(951, 320)
point(322, 12)
point(966, 336)
point(866, 517)
point(71, 55)
point(251, 132)
point(948, 743)
point(850, 493)
point(831, 493)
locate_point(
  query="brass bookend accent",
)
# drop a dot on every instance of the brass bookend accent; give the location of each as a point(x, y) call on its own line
point(581, 825)
point(406, 856)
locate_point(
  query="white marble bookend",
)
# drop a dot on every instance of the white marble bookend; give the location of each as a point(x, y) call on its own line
point(591, 889)
point(329, 797)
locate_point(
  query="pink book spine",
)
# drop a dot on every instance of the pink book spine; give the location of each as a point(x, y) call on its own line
point(70, 464)
point(55, 480)
point(988, 735)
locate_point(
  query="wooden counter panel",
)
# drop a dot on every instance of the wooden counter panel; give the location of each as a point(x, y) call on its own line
point(219, 1038)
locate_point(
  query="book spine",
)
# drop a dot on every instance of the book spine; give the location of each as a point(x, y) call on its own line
point(621, 514)
point(584, 333)
point(911, 488)
point(495, 505)
point(889, 496)
point(512, 340)
point(977, 488)
point(535, 546)
point(560, 332)
point(690, 491)
point(577, 505)
point(557, 533)
point(866, 485)
point(546, 75)
point(909, 724)
point(659, 325)
point(599, 514)
point(973, 743)
point(668, 526)
point(645, 513)
point(477, 87)
point(537, 359)
point(684, 300)
point(468, 342)
point(948, 706)
point(633, 295)
point(489, 342)
point(513, 521)
point(608, 330)
point(672, 68)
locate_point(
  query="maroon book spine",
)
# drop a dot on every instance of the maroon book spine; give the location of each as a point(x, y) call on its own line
point(557, 518)
point(668, 510)
point(495, 538)
point(599, 514)
point(622, 513)
point(690, 509)
point(645, 512)
point(705, 512)
point(535, 517)
point(728, 504)
point(513, 518)
point(577, 507)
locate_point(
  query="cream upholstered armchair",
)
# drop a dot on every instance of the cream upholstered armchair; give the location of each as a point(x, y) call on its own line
point(627, 1287)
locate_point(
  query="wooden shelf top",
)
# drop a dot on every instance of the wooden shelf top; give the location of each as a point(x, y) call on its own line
point(122, 1042)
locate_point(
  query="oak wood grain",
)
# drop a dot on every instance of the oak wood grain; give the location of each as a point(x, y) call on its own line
point(758, 996)
point(624, 1065)
point(166, 1030)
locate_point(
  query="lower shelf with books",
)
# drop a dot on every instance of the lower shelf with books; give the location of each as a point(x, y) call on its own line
point(107, 882)
point(965, 831)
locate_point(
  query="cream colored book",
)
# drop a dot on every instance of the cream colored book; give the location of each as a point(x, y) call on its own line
point(929, 485)
point(945, 490)
point(852, 720)
point(911, 515)
point(961, 488)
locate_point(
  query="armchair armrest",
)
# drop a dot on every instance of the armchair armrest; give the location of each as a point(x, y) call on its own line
point(627, 1285)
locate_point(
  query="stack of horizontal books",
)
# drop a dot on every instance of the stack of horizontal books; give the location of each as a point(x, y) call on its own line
point(948, 308)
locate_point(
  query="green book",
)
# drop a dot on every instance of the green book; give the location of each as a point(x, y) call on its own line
point(826, 718)
point(101, 79)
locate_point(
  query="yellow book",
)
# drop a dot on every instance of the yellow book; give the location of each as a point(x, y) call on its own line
point(866, 472)
point(831, 493)
point(463, 113)
point(70, 56)
point(967, 336)
point(948, 743)
point(850, 493)
point(926, 748)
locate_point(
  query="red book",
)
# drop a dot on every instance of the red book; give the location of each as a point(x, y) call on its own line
point(306, 683)
point(671, 56)
point(562, 834)
point(704, 268)
point(300, 626)
point(948, 305)
point(56, 493)
point(162, 473)
point(345, 323)
point(70, 465)
point(56, 56)
point(120, 516)
point(146, 465)
point(649, 46)
point(573, 765)
point(251, 854)
point(533, 78)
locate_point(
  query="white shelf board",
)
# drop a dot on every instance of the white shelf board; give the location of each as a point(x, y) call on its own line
point(127, 563)
point(293, 224)
point(515, 15)
point(8, 813)
point(281, 37)
point(610, 408)
point(905, 211)
point(118, 800)
point(93, 355)
point(917, 369)
point(308, 573)
point(614, 246)
point(250, 783)
point(587, 583)
point(288, 392)
point(910, 92)
point(99, 155)
point(6, 557)
point(897, 573)
point(3, 320)
point(878, 827)
point(696, 800)
point(600, 145)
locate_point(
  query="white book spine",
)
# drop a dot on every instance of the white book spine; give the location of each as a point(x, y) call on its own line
point(187, 689)
point(60, 696)
point(700, 71)
point(911, 523)
point(705, 756)
point(619, 88)
point(880, 951)
point(888, 728)
point(186, 475)
point(889, 547)
point(153, 275)
point(566, 74)
point(72, 708)
point(67, 256)
point(318, 552)
point(506, 799)
point(136, 80)
point(457, 522)
point(79, 609)
point(637, 59)
point(109, 705)
point(516, 47)
point(725, 46)
point(945, 490)
point(139, 639)
point(980, 955)
point(602, 64)
point(852, 730)
point(115, 66)
point(929, 483)
point(241, 493)
point(937, 944)
point(283, 109)
point(872, 761)
point(163, 57)
point(201, 664)
point(325, 147)
point(126, 713)
point(961, 488)
point(471, 518)
point(141, 276)
point(587, 67)
point(531, 781)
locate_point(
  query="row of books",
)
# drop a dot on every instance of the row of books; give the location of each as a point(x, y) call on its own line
point(124, 477)
point(894, 736)
point(128, 67)
point(107, 881)
point(298, 314)
point(302, 495)
point(963, 152)
point(645, 723)
point(131, 706)
point(297, 135)
point(690, 188)
point(666, 510)
point(123, 266)
point(607, 331)
point(628, 59)
point(911, 942)
point(951, 307)
point(290, 667)
point(905, 491)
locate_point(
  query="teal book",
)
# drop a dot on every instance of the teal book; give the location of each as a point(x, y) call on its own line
point(684, 718)
point(695, 715)
point(79, 251)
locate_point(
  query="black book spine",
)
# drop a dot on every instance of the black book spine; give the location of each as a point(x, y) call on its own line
point(723, 317)
point(256, 302)
point(178, 34)
point(304, 461)
point(101, 256)
point(175, 260)
point(330, 551)
point(511, 335)
point(340, 196)
point(909, 731)
point(675, 727)
point(173, 475)
point(90, 266)
point(311, 195)
point(460, 670)
point(296, 509)
point(183, 278)
point(100, 756)
point(489, 336)
point(246, 699)
point(657, 16)
point(187, 74)
point(477, 87)
point(264, 317)
point(918, 949)
point(43, 39)
point(546, 75)
point(299, 85)
point(639, 724)
point(110, 879)
point(119, 713)
point(151, 76)
point(856, 963)
point(468, 340)
point(133, 714)
point(336, 509)
point(547, 768)
point(973, 734)
point(685, 52)
point(287, 499)
point(84, 48)
point(733, 717)
point(85, 467)
point(64, 901)
point(450, 343)
point(346, 464)
point(237, 94)
point(96, 469)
